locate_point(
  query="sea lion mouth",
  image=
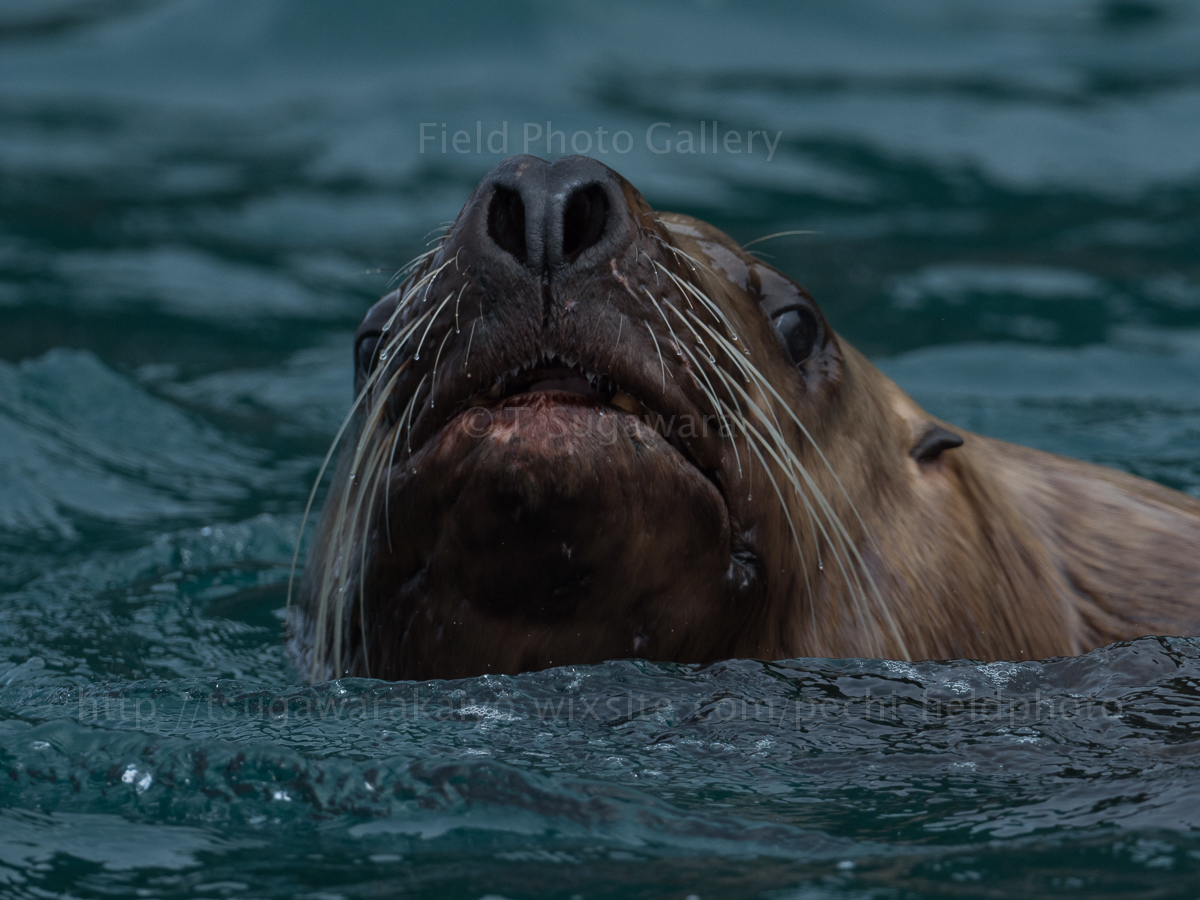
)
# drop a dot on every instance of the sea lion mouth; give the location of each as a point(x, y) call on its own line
point(557, 379)
point(554, 382)
point(551, 377)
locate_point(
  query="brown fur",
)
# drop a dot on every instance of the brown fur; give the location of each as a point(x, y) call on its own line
point(533, 542)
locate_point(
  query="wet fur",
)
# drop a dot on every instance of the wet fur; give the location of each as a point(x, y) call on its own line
point(847, 545)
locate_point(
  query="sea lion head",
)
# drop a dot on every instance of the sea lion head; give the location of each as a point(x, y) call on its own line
point(583, 430)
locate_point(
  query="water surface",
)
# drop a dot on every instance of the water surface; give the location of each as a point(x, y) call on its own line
point(198, 200)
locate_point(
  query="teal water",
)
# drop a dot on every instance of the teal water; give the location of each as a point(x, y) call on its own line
point(198, 200)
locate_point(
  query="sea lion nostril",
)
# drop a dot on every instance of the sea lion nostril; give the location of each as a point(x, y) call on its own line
point(584, 219)
point(506, 223)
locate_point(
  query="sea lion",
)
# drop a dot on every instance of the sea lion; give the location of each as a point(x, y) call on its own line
point(587, 430)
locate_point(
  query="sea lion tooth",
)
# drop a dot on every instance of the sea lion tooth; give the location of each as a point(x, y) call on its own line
point(933, 442)
point(627, 402)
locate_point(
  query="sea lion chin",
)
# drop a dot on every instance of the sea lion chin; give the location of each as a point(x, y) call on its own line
point(565, 511)
point(587, 430)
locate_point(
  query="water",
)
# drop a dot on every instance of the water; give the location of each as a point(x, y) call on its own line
point(193, 198)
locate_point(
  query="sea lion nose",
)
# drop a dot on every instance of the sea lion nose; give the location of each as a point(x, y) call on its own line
point(554, 217)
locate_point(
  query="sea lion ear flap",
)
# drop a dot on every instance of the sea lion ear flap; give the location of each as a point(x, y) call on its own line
point(933, 442)
point(795, 316)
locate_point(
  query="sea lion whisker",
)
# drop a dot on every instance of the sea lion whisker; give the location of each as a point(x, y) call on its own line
point(457, 303)
point(834, 540)
point(375, 471)
point(470, 338)
point(367, 435)
point(409, 289)
point(809, 511)
point(892, 626)
point(437, 357)
point(337, 438)
point(316, 484)
point(401, 307)
point(860, 570)
point(411, 265)
point(391, 459)
point(732, 353)
point(745, 367)
point(406, 417)
point(433, 319)
point(686, 296)
point(620, 327)
point(777, 234)
point(408, 432)
point(424, 281)
point(706, 301)
point(403, 303)
point(792, 526)
point(387, 496)
point(752, 375)
point(752, 371)
point(666, 321)
point(332, 579)
point(700, 338)
point(784, 452)
point(394, 342)
point(704, 298)
point(671, 306)
point(661, 363)
point(695, 263)
point(711, 393)
point(438, 232)
point(346, 530)
point(359, 482)
point(852, 573)
point(363, 443)
point(712, 360)
point(798, 491)
point(372, 385)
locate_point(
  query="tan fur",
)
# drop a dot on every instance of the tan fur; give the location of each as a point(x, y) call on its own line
point(997, 551)
point(992, 551)
point(802, 526)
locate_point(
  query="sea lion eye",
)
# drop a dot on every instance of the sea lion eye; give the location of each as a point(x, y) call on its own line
point(366, 354)
point(798, 332)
